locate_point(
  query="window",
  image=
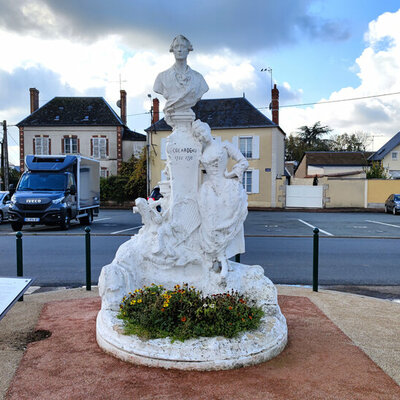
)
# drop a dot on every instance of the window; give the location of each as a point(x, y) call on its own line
point(70, 145)
point(247, 181)
point(251, 181)
point(246, 146)
point(103, 172)
point(395, 155)
point(249, 146)
point(99, 147)
point(41, 146)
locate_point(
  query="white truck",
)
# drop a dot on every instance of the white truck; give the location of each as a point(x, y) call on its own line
point(54, 190)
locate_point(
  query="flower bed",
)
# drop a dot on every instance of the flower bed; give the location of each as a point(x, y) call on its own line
point(184, 313)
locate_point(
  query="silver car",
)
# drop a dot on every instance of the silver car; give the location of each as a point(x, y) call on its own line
point(4, 204)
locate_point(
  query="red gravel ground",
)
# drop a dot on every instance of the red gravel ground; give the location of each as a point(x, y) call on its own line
point(319, 362)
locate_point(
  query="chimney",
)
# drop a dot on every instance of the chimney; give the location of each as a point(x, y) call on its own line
point(34, 97)
point(156, 111)
point(123, 106)
point(275, 105)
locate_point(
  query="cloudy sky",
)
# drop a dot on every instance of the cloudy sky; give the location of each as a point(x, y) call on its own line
point(319, 51)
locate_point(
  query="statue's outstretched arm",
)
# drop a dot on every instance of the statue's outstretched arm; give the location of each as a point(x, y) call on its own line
point(241, 162)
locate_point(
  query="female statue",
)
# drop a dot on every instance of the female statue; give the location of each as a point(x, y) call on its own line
point(180, 85)
point(222, 198)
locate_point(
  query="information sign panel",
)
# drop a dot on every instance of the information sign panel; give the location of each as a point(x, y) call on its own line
point(11, 289)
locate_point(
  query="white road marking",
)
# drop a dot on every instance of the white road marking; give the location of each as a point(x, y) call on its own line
point(124, 230)
point(382, 223)
point(100, 219)
point(312, 226)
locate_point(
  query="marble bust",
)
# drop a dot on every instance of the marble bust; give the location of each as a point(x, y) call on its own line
point(181, 86)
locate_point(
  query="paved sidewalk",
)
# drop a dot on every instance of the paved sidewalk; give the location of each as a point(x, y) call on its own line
point(373, 325)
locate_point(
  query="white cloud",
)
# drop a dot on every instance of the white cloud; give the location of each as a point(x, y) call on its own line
point(379, 73)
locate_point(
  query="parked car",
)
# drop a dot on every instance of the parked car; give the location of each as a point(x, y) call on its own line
point(4, 204)
point(156, 195)
point(392, 204)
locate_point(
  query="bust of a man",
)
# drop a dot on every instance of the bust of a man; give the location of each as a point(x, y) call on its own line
point(180, 85)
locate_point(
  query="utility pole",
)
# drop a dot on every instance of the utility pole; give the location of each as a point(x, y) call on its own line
point(148, 143)
point(5, 156)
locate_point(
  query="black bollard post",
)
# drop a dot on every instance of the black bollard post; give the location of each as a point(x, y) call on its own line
point(20, 267)
point(315, 260)
point(88, 261)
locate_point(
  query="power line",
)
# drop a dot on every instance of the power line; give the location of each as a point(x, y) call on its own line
point(336, 101)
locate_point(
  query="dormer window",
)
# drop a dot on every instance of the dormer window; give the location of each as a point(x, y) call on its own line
point(57, 118)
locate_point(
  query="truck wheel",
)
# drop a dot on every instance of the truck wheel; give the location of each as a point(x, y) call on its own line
point(87, 220)
point(65, 225)
point(16, 226)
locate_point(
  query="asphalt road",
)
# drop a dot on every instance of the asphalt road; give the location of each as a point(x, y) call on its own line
point(355, 248)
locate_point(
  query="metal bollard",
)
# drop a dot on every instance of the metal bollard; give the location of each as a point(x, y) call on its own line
point(88, 260)
point(237, 258)
point(315, 260)
point(20, 268)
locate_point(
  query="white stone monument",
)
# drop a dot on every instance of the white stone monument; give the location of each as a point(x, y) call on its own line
point(199, 227)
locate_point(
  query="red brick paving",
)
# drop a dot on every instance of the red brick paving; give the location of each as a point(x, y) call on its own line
point(319, 362)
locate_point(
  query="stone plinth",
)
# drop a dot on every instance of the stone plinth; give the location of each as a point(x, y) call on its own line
point(205, 353)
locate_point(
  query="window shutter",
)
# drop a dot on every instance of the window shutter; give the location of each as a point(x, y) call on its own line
point(63, 145)
point(34, 146)
point(49, 146)
point(235, 141)
point(107, 147)
point(256, 147)
point(79, 146)
point(163, 148)
point(91, 147)
point(255, 178)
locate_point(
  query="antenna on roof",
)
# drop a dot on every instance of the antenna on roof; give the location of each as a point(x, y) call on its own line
point(244, 94)
point(120, 82)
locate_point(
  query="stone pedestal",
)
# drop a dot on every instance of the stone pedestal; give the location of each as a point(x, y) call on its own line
point(215, 353)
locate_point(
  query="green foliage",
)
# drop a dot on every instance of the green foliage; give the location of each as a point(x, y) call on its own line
point(354, 142)
point(309, 138)
point(376, 171)
point(136, 185)
point(13, 176)
point(316, 138)
point(129, 184)
point(112, 188)
point(183, 313)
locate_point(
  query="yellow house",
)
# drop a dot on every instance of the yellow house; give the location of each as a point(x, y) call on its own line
point(389, 156)
point(235, 120)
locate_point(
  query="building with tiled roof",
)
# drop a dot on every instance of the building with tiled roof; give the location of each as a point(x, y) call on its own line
point(389, 156)
point(79, 125)
point(235, 120)
point(333, 163)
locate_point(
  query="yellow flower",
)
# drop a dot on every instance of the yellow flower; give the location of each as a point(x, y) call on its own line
point(165, 304)
point(139, 301)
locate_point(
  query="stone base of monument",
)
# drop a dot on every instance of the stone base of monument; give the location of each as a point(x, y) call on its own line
point(215, 353)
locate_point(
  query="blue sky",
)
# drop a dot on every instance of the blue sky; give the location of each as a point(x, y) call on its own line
point(318, 50)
